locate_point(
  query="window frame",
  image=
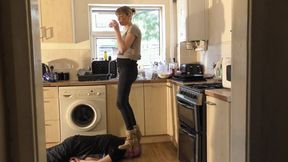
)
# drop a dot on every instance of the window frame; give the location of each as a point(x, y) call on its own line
point(106, 34)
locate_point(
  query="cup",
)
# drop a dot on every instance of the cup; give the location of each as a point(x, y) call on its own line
point(66, 76)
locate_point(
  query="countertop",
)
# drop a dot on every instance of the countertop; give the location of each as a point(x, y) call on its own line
point(98, 82)
point(222, 94)
point(194, 82)
point(114, 81)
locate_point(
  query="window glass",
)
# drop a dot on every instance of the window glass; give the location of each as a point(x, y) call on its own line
point(147, 19)
point(106, 44)
point(100, 20)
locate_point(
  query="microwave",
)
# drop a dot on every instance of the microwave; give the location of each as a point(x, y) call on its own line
point(226, 73)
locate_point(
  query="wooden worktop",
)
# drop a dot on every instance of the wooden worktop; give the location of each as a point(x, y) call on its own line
point(222, 94)
point(98, 82)
point(114, 81)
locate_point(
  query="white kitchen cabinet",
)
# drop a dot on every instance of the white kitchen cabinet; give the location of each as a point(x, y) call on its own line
point(149, 103)
point(192, 21)
point(56, 20)
point(220, 21)
point(51, 115)
point(218, 130)
point(172, 117)
point(115, 121)
point(155, 97)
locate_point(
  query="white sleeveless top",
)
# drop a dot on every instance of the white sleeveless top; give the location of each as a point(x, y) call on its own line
point(134, 51)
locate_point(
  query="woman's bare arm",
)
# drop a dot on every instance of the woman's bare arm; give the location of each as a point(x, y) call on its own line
point(123, 45)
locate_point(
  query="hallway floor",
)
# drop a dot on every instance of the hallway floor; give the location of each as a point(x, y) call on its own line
point(156, 152)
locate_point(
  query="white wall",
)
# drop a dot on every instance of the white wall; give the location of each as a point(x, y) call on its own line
point(219, 33)
point(239, 78)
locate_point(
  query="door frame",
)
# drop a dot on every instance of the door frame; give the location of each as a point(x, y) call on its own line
point(21, 84)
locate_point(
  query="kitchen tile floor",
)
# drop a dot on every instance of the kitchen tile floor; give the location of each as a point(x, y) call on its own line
point(156, 152)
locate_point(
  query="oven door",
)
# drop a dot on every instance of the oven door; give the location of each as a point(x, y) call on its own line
point(188, 146)
point(189, 113)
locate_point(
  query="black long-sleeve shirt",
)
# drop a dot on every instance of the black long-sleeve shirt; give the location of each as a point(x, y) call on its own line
point(83, 146)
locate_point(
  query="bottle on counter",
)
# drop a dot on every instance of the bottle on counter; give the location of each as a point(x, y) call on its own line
point(173, 66)
point(105, 56)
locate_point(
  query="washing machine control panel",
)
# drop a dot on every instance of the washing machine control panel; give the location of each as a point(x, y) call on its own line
point(82, 93)
point(90, 93)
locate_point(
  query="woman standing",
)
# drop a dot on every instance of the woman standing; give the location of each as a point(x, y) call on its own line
point(129, 45)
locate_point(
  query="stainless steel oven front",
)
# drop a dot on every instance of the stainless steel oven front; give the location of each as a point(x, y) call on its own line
point(189, 113)
point(190, 130)
point(188, 145)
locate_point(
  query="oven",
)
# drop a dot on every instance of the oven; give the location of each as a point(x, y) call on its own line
point(188, 144)
point(189, 114)
point(190, 130)
point(192, 121)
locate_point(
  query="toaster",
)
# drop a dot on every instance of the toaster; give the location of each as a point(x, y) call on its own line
point(191, 69)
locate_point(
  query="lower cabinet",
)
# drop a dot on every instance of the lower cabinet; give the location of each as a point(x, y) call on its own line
point(149, 103)
point(218, 130)
point(155, 97)
point(115, 121)
point(174, 115)
point(51, 115)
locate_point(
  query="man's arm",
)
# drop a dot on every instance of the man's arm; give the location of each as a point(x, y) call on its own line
point(106, 158)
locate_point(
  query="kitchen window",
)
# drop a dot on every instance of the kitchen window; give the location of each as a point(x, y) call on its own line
point(148, 18)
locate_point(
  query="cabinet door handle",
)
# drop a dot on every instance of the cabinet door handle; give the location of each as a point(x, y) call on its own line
point(67, 95)
point(45, 101)
point(50, 29)
point(48, 124)
point(210, 103)
point(43, 32)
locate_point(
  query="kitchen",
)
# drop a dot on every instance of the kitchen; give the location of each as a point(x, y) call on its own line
point(53, 54)
point(239, 144)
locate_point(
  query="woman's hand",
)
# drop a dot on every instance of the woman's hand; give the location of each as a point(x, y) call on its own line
point(114, 24)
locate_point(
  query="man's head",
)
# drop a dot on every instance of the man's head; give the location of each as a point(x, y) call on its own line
point(134, 151)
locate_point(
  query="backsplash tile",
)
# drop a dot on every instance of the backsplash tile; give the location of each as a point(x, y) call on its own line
point(214, 53)
point(67, 60)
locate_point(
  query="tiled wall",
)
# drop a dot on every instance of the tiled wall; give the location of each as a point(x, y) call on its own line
point(67, 57)
point(215, 53)
point(220, 26)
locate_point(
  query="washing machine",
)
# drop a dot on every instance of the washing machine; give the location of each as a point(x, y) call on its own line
point(82, 110)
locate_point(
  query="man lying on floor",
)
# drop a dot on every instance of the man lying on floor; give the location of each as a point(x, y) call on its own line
point(88, 148)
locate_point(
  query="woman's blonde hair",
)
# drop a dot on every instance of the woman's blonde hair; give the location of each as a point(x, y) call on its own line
point(125, 10)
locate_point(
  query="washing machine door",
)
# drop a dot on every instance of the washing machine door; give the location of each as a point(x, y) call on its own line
point(82, 116)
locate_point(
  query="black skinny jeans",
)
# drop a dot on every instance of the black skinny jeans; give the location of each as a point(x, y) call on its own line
point(127, 75)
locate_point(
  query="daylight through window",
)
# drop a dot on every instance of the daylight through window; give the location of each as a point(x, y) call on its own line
point(148, 19)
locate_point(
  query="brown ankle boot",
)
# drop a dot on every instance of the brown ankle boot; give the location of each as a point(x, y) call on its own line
point(131, 140)
point(138, 132)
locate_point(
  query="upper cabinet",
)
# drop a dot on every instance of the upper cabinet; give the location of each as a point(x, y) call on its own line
point(192, 21)
point(220, 21)
point(56, 20)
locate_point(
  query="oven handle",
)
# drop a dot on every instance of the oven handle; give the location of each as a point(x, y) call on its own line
point(189, 134)
point(185, 105)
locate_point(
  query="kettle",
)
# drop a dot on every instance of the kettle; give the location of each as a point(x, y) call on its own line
point(48, 74)
point(218, 69)
point(45, 69)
